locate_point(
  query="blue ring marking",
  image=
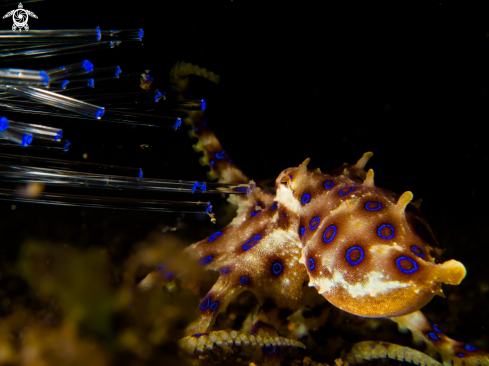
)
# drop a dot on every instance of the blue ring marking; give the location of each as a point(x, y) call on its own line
point(369, 207)
point(290, 176)
point(433, 336)
point(418, 251)
point(385, 237)
point(140, 176)
point(168, 275)
point(254, 213)
point(348, 255)
point(161, 267)
point(225, 270)
point(277, 268)
point(348, 191)
point(283, 215)
point(468, 347)
point(245, 280)
point(303, 230)
point(204, 122)
point(202, 104)
point(328, 184)
point(274, 206)
point(100, 113)
point(3, 123)
point(99, 33)
point(460, 355)
point(91, 83)
point(332, 227)
point(271, 350)
point(311, 263)
point(212, 162)
point(306, 198)
point(240, 189)
point(314, 223)
point(251, 242)
point(214, 236)
point(220, 155)
point(196, 129)
point(398, 262)
point(141, 34)
point(205, 303)
point(67, 146)
point(435, 327)
point(118, 71)
point(205, 260)
point(64, 84)
point(214, 305)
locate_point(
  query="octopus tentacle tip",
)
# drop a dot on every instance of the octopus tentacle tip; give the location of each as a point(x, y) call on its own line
point(451, 272)
point(404, 200)
point(369, 181)
point(364, 160)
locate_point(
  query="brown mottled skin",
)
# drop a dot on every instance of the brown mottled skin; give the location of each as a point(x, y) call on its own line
point(281, 246)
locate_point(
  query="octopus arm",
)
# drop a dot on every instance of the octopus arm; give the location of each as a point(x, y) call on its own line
point(452, 352)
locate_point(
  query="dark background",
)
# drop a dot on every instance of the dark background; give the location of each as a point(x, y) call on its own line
point(408, 83)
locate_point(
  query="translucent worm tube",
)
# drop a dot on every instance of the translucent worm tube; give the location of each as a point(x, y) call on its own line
point(38, 51)
point(34, 162)
point(21, 138)
point(55, 100)
point(24, 77)
point(51, 36)
point(61, 145)
point(83, 67)
point(109, 202)
point(37, 131)
point(78, 179)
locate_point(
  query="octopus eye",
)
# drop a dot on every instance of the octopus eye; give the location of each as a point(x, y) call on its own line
point(407, 265)
point(306, 198)
point(277, 268)
point(311, 264)
point(205, 260)
point(373, 206)
point(214, 236)
point(251, 242)
point(354, 255)
point(329, 234)
point(214, 305)
point(386, 231)
point(205, 303)
point(346, 191)
point(314, 223)
point(418, 251)
point(329, 184)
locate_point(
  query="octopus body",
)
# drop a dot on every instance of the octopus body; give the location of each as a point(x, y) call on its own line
point(334, 236)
